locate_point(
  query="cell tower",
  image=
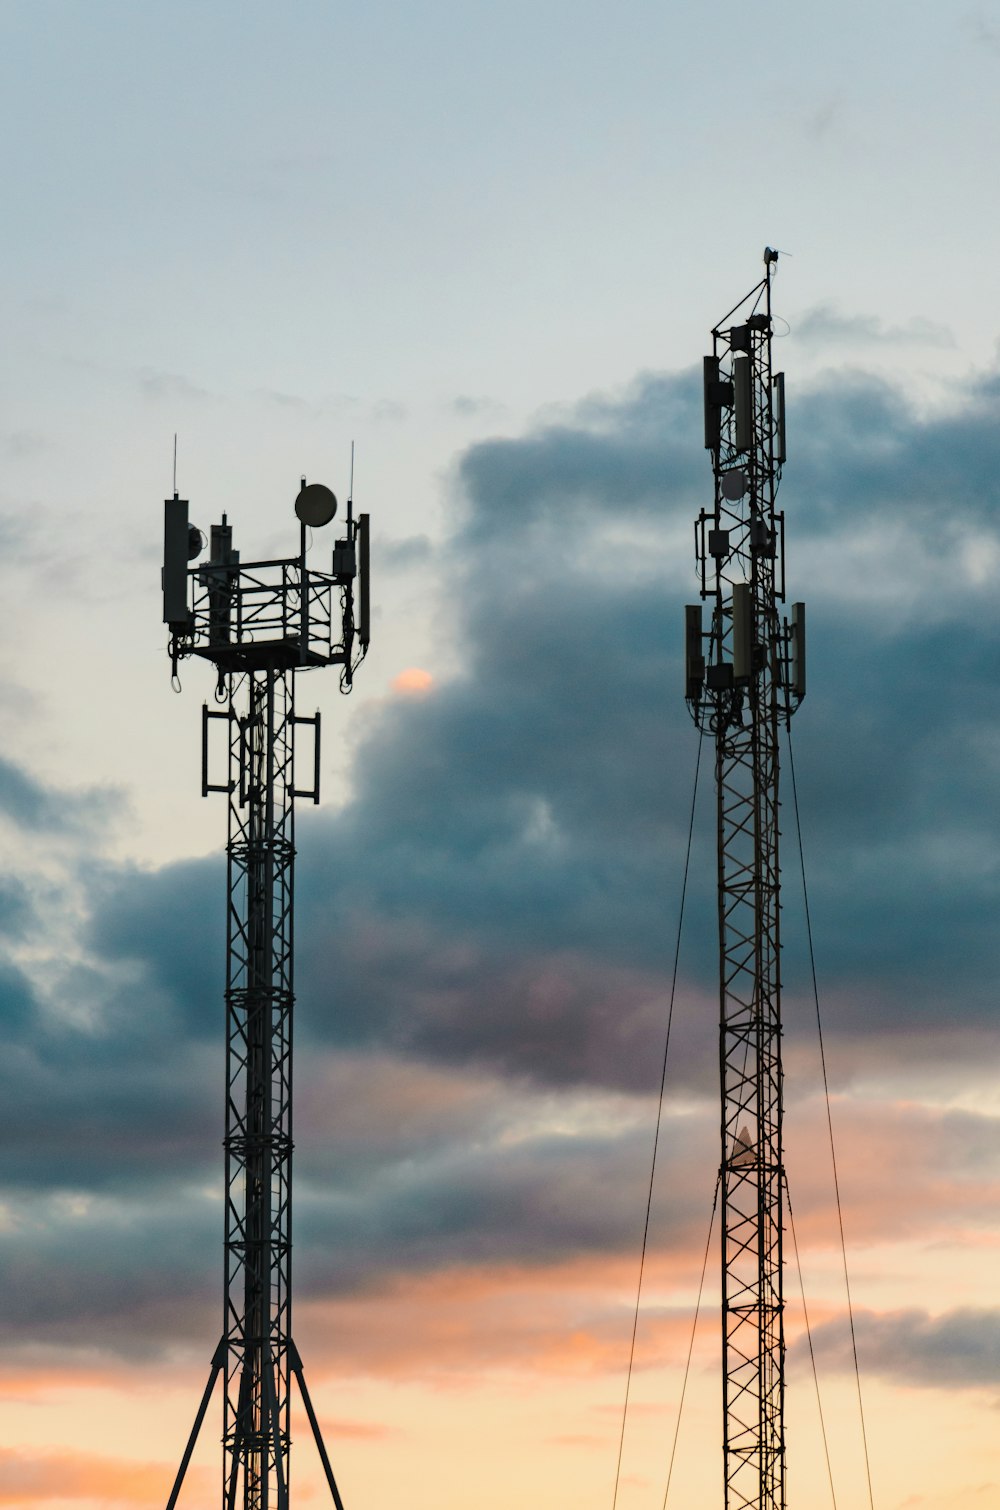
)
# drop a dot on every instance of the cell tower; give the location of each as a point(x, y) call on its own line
point(259, 624)
point(745, 677)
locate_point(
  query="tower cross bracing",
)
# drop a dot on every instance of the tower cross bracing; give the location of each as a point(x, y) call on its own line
point(260, 624)
point(745, 675)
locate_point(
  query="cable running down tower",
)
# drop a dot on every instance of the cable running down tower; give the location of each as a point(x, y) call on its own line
point(745, 676)
point(260, 624)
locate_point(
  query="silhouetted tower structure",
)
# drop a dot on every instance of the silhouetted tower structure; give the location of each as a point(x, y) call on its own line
point(260, 624)
point(745, 671)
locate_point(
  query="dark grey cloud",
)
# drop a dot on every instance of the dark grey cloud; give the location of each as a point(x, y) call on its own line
point(17, 998)
point(632, 455)
point(17, 911)
point(499, 895)
point(394, 1178)
point(863, 456)
point(526, 821)
point(487, 1200)
point(126, 1279)
point(897, 761)
point(959, 1348)
point(109, 1105)
point(171, 924)
point(33, 806)
point(113, 1057)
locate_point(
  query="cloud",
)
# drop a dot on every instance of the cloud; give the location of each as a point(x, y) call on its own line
point(28, 1476)
point(35, 807)
point(171, 924)
point(916, 1171)
point(956, 1349)
point(824, 324)
point(413, 682)
point(169, 387)
point(626, 454)
point(468, 407)
point(406, 1172)
point(462, 1324)
point(359, 1431)
point(824, 118)
point(20, 444)
point(388, 411)
point(486, 928)
point(982, 29)
point(286, 400)
point(110, 1229)
point(401, 555)
point(501, 888)
point(504, 1194)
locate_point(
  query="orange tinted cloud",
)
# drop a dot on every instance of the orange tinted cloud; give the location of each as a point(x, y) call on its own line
point(26, 1477)
point(413, 682)
point(906, 1170)
point(464, 1322)
point(337, 1430)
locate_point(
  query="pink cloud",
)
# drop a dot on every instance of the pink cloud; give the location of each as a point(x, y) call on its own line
point(413, 682)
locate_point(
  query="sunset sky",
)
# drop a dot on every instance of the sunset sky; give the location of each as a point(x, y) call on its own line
point(487, 244)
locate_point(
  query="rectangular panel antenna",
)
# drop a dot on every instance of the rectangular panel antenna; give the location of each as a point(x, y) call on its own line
point(713, 409)
point(743, 402)
point(780, 453)
point(694, 650)
point(364, 591)
point(742, 631)
point(798, 635)
point(175, 562)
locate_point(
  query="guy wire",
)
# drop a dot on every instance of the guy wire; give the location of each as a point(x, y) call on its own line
point(694, 1328)
point(809, 1338)
point(829, 1116)
point(659, 1119)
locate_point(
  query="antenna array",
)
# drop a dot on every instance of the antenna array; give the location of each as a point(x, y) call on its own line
point(745, 676)
point(259, 624)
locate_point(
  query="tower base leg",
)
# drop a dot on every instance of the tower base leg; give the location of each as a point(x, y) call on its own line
point(218, 1363)
point(295, 1363)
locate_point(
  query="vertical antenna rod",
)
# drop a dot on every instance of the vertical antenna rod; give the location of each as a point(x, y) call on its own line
point(259, 624)
point(745, 676)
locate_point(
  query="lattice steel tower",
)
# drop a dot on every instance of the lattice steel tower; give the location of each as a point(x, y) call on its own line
point(260, 624)
point(745, 675)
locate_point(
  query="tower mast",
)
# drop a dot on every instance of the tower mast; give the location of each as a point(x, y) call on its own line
point(745, 675)
point(260, 624)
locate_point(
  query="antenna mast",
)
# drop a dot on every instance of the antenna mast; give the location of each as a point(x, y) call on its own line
point(260, 624)
point(745, 676)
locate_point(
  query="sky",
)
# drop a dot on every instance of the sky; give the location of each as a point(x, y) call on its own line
point(487, 245)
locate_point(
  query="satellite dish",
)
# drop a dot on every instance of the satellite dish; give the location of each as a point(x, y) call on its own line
point(734, 484)
point(315, 505)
